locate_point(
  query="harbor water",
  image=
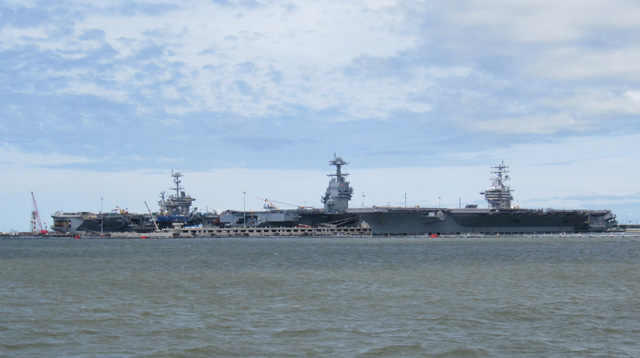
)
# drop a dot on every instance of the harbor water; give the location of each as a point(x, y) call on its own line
point(320, 297)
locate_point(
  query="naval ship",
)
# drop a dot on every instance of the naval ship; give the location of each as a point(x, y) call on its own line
point(499, 218)
point(85, 221)
point(174, 209)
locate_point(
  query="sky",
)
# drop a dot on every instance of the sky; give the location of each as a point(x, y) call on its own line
point(249, 99)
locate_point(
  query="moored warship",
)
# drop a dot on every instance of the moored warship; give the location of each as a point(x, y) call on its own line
point(174, 209)
point(499, 218)
point(117, 221)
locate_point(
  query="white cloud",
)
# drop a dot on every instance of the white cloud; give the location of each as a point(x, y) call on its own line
point(633, 95)
point(308, 44)
point(203, 50)
point(578, 63)
point(78, 86)
point(597, 104)
point(539, 21)
point(13, 36)
point(13, 156)
point(543, 124)
point(560, 40)
point(315, 33)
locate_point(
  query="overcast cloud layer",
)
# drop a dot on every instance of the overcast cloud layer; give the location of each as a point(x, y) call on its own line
point(411, 93)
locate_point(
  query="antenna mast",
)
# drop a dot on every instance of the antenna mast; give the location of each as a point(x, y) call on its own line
point(177, 180)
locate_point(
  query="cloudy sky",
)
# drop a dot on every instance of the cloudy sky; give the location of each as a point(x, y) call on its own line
point(102, 99)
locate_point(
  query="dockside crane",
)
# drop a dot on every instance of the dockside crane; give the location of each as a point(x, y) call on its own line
point(36, 223)
point(269, 204)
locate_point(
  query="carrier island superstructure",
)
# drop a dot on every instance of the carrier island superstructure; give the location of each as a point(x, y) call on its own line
point(500, 217)
point(334, 214)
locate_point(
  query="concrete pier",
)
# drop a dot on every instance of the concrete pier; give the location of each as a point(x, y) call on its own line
point(250, 232)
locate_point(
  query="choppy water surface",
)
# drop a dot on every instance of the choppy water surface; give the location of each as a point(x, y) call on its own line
point(337, 297)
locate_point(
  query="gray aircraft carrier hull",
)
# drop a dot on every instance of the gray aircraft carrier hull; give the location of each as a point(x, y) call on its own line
point(411, 221)
point(287, 218)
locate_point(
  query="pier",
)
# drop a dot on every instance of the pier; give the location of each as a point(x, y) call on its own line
point(199, 232)
point(193, 232)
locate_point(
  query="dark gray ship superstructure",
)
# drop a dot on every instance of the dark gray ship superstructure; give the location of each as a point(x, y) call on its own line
point(499, 217)
point(499, 195)
point(336, 198)
point(176, 209)
point(334, 214)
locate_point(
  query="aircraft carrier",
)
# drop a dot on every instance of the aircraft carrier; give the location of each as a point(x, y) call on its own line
point(499, 218)
point(173, 209)
point(90, 222)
